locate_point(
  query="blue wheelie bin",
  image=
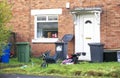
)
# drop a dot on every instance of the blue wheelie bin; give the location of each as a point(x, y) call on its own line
point(6, 54)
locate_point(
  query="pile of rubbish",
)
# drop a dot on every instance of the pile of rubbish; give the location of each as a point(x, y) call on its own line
point(73, 59)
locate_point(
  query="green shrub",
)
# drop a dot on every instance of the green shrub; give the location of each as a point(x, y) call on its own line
point(5, 28)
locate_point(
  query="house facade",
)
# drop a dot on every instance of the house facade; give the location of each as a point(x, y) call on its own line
point(44, 22)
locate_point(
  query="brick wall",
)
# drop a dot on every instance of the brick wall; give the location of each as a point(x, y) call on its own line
point(110, 24)
point(23, 22)
point(63, 23)
point(21, 19)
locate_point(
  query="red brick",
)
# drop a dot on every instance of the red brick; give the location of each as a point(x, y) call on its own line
point(23, 22)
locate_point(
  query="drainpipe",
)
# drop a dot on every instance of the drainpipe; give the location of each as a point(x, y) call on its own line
point(29, 22)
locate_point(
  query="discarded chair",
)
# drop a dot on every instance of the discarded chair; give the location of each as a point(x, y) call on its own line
point(49, 59)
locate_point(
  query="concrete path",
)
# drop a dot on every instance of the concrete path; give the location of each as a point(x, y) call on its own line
point(23, 76)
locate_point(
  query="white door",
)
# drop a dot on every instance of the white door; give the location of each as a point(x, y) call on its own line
point(86, 31)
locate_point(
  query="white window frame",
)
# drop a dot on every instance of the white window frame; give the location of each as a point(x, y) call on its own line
point(44, 12)
point(41, 21)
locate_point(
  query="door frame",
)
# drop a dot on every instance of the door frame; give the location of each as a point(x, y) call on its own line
point(86, 11)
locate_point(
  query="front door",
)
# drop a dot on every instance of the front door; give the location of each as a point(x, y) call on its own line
point(86, 31)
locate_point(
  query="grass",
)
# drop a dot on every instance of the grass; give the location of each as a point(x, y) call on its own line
point(83, 69)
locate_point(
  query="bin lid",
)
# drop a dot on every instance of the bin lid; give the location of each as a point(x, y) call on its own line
point(67, 37)
point(96, 44)
point(22, 43)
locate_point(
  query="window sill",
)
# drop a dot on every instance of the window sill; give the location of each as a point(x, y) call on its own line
point(45, 40)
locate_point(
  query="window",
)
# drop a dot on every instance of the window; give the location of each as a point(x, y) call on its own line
point(47, 26)
point(88, 21)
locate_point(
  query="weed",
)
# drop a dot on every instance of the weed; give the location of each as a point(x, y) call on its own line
point(82, 70)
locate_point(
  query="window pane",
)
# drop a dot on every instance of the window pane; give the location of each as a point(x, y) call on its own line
point(47, 29)
point(39, 32)
point(41, 18)
point(52, 18)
